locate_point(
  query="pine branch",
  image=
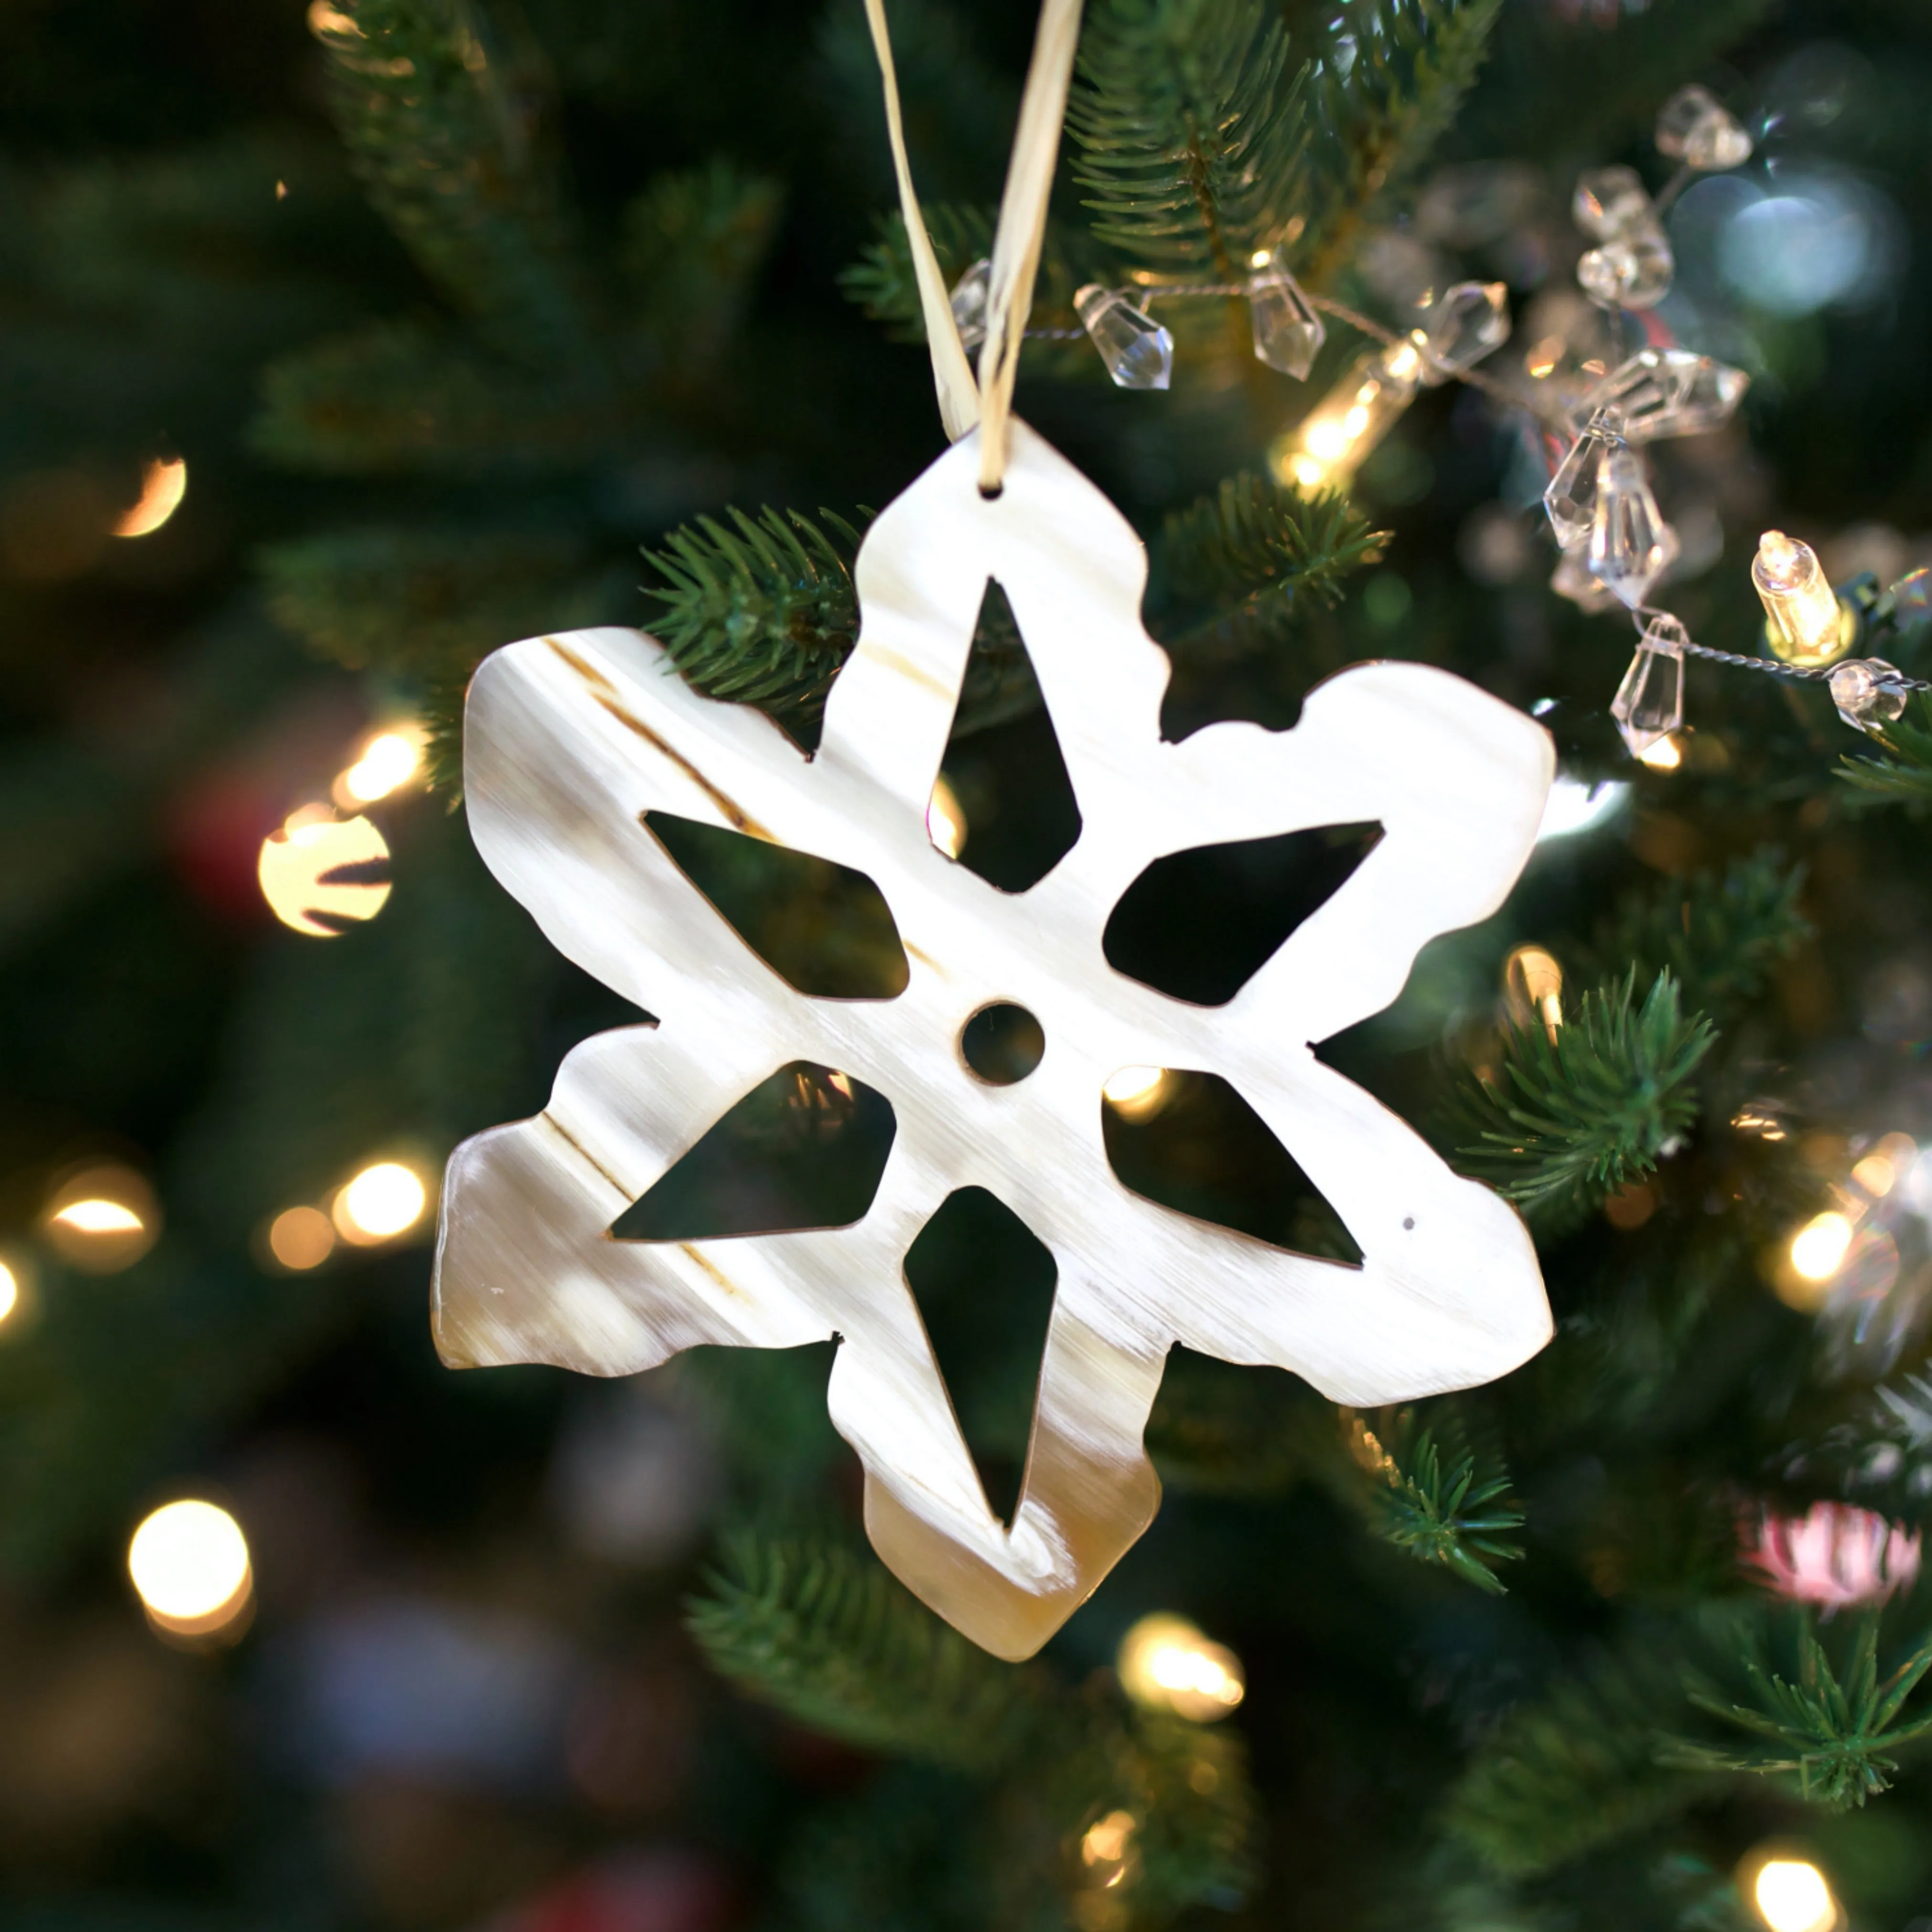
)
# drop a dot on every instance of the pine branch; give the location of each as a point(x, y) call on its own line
point(1836, 1730)
point(1720, 935)
point(441, 118)
point(1258, 554)
point(1576, 1768)
point(1460, 1515)
point(882, 283)
point(827, 1634)
point(1388, 91)
point(763, 612)
point(1578, 1110)
point(693, 240)
point(1192, 131)
point(1905, 778)
point(400, 398)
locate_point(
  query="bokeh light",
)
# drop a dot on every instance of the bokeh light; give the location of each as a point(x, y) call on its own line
point(10, 1291)
point(1165, 1664)
point(1573, 806)
point(103, 1218)
point(1665, 754)
point(945, 823)
point(385, 1200)
point(1819, 1247)
point(189, 1562)
point(301, 1238)
point(1533, 989)
point(314, 873)
point(1137, 1093)
point(388, 762)
point(162, 487)
point(1791, 1895)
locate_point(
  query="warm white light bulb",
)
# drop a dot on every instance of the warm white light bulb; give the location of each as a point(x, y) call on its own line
point(1165, 1663)
point(10, 1291)
point(189, 1561)
point(1135, 1093)
point(1792, 1896)
point(1803, 620)
point(388, 761)
point(1818, 1249)
point(945, 822)
point(383, 1202)
point(99, 1217)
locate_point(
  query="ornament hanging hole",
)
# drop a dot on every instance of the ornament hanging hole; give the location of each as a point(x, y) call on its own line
point(1002, 1043)
point(992, 492)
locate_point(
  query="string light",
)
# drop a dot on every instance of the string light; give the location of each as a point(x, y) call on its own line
point(189, 1564)
point(1818, 1249)
point(383, 1202)
point(1791, 1895)
point(945, 823)
point(1165, 1663)
point(388, 762)
point(1533, 987)
point(1665, 755)
point(103, 1218)
point(1805, 621)
point(301, 1238)
point(162, 487)
point(1137, 1093)
point(10, 1292)
point(300, 868)
point(1106, 1847)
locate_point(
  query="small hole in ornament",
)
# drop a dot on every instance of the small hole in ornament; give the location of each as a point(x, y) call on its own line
point(1205, 1152)
point(1002, 1043)
point(992, 492)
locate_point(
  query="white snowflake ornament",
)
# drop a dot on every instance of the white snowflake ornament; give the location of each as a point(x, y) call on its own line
point(571, 740)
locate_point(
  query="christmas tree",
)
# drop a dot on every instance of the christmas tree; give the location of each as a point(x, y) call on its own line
point(344, 345)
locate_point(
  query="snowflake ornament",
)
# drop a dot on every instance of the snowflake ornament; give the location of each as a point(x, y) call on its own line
point(572, 740)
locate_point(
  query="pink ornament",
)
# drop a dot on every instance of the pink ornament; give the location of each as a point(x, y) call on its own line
point(1834, 1555)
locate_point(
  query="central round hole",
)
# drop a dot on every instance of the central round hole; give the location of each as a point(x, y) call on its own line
point(1002, 1043)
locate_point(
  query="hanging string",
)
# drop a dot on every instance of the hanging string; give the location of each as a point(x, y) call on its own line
point(1017, 240)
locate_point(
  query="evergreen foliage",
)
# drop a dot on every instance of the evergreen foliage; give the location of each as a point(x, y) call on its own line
point(830, 1637)
point(1576, 1111)
point(1439, 1502)
point(1905, 777)
point(1834, 1730)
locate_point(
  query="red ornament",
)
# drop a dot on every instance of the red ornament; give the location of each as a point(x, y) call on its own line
point(1835, 1555)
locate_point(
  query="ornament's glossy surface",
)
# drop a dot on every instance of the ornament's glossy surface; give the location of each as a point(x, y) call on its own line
point(572, 740)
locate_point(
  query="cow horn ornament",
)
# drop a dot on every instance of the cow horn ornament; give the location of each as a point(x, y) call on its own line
point(572, 739)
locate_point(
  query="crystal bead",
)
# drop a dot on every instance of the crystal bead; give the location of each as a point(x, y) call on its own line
point(1609, 202)
point(1634, 272)
point(1630, 544)
point(1287, 332)
point(969, 302)
point(1571, 499)
point(1649, 703)
point(1460, 327)
point(1695, 127)
point(1665, 392)
point(1868, 691)
point(1138, 352)
point(1572, 579)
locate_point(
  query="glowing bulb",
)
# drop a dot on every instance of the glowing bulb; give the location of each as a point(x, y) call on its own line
point(1165, 1664)
point(162, 489)
point(1818, 1249)
point(103, 1218)
point(388, 761)
point(382, 1202)
point(1803, 621)
point(1876, 1174)
point(1106, 1841)
point(301, 1238)
point(1665, 755)
point(1792, 1896)
point(10, 1291)
point(1136, 1093)
point(945, 823)
point(189, 1561)
point(302, 870)
point(1533, 987)
point(99, 1217)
